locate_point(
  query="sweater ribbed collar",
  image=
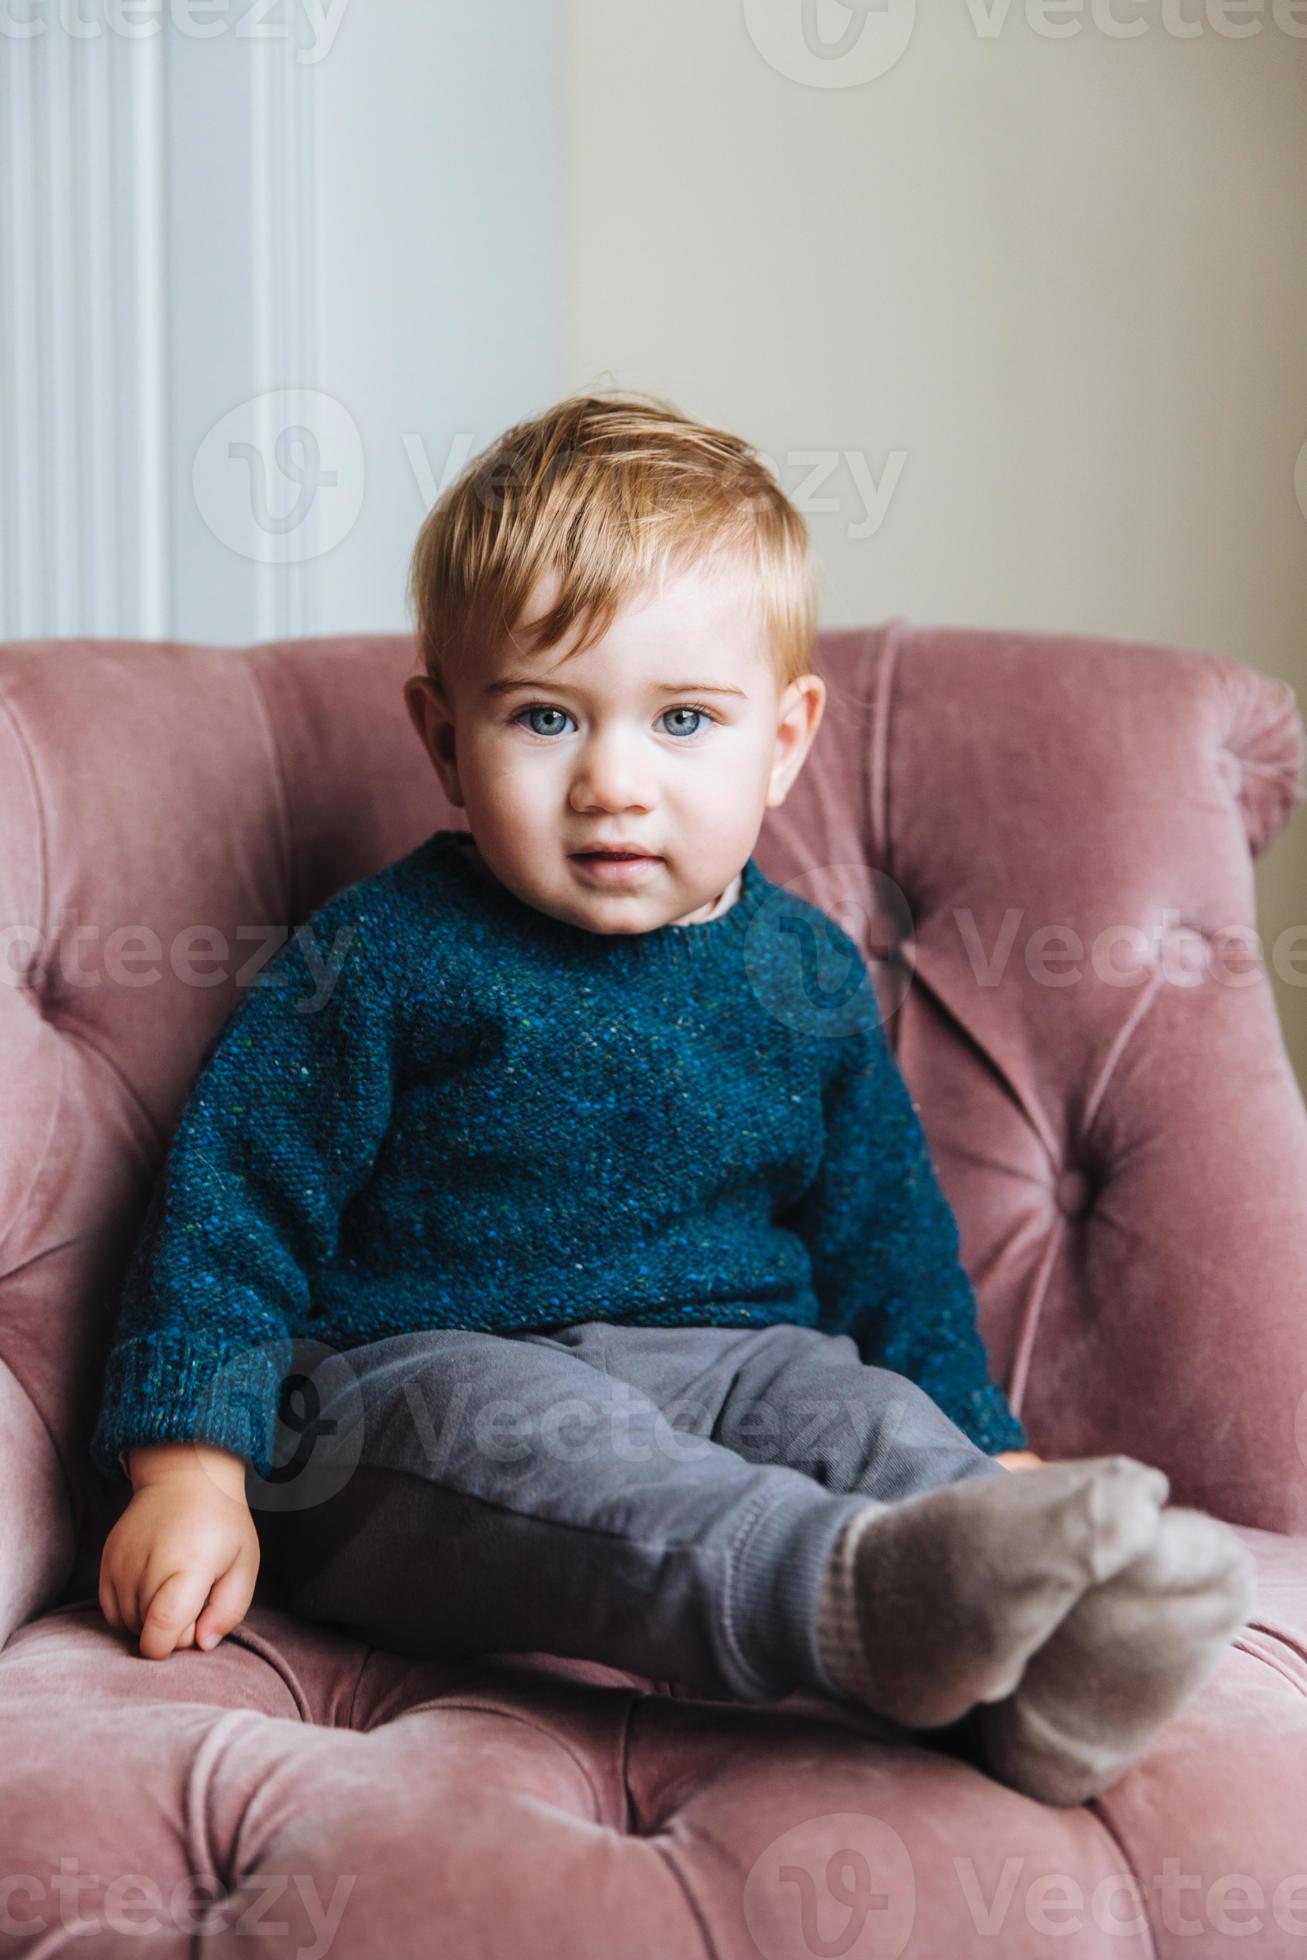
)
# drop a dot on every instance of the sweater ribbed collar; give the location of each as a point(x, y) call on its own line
point(480, 892)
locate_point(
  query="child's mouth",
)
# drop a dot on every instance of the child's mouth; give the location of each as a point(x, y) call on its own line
point(613, 866)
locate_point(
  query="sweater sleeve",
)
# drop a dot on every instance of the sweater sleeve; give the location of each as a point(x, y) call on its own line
point(281, 1126)
point(884, 1243)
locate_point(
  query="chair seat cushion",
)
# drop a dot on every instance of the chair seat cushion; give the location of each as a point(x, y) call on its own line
point(322, 1795)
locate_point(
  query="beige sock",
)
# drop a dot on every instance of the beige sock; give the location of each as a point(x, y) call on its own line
point(934, 1603)
point(1121, 1662)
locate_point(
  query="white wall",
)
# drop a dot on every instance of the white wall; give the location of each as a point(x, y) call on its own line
point(260, 287)
point(1058, 286)
point(440, 257)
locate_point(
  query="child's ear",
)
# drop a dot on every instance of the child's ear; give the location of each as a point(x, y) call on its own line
point(416, 691)
point(429, 713)
point(800, 710)
point(427, 710)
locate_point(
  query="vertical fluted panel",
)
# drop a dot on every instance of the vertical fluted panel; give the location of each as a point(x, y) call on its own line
point(83, 313)
point(103, 428)
point(147, 205)
point(20, 368)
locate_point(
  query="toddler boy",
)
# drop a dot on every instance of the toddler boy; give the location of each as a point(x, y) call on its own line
point(597, 1126)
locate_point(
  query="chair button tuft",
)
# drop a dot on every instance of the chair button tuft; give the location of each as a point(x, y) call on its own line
point(1072, 1192)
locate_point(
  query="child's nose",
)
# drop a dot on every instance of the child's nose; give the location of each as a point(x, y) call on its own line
point(613, 773)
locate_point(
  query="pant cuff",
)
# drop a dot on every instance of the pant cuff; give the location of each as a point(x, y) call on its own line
point(774, 1589)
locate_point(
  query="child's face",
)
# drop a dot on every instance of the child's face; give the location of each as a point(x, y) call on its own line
point(669, 734)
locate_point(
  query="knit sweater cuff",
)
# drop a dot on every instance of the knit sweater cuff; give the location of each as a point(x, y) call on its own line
point(998, 1427)
point(159, 1392)
point(984, 1415)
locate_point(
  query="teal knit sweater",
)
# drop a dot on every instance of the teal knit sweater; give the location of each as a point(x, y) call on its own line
point(441, 1107)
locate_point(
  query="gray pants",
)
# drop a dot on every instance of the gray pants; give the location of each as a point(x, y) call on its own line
point(660, 1499)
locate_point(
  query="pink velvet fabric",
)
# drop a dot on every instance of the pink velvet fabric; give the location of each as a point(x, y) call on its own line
point(1043, 839)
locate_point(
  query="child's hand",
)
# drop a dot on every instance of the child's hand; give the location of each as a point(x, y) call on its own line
point(1018, 1459)
point(179, 1566)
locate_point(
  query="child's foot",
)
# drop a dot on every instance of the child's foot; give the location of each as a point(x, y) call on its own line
point(1121, 1662)
point(935, 1603)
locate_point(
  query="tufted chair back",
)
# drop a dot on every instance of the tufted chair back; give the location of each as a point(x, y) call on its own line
point(1045, 844)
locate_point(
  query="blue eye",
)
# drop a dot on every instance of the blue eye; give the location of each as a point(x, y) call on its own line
point(544, 708)
point(541, 709)
point(696, 712)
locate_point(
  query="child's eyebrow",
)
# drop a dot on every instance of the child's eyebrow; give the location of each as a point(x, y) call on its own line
point(663, 687)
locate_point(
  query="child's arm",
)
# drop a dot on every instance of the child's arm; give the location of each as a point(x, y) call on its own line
point(281, 1126)
point(884, 1242)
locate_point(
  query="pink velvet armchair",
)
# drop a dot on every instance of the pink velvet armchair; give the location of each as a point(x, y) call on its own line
point(1046, 842)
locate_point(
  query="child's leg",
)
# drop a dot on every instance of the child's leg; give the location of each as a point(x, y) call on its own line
point(1064, 1604)
point(953, 1571)
point(791, 1395)
point(477, 1493)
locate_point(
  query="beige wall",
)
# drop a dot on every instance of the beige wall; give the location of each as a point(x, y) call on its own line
point(1051, 292)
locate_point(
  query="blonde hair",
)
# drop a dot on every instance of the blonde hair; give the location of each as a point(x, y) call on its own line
point(606, 489)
